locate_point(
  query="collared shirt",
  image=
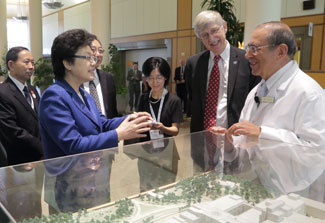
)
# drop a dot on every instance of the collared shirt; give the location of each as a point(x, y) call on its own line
point(99, 92)
point(21, 86)
point(223, 64)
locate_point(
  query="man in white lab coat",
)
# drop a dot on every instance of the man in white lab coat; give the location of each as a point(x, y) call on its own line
point(287, 105)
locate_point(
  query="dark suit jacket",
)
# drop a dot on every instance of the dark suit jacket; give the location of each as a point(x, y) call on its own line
point(240, 82)
point(19, 132)
point(109, 93)
point(178, 74)
point(181, 86)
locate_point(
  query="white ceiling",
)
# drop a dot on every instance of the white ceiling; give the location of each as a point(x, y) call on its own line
point(18, 7)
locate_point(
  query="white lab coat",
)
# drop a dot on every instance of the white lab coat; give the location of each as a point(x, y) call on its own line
point(297, 114)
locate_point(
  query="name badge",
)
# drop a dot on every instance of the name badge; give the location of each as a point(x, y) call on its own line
point(155, 134)
point(267, 99)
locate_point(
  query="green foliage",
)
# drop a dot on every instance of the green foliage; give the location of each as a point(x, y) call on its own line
point(43, 73)
point(235, 32)
point(3, 67)
point(115, 67)
point(3, 70)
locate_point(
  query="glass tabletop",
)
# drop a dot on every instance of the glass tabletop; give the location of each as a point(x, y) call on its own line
point(160, 177)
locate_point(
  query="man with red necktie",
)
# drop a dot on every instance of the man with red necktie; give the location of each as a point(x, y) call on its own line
point(218, 79)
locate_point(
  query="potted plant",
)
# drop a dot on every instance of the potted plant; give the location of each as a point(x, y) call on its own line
point(3, 68)
point(115, 67)
point(235, 32)
point(43, 73)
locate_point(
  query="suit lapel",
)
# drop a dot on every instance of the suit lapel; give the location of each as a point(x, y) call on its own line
point(232, 73)
point(202, 70)
point(20, 97)
point(102, 79)
point(78, 102)
point(33, 93)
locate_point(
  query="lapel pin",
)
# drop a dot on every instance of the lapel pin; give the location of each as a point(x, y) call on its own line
point(33, 94)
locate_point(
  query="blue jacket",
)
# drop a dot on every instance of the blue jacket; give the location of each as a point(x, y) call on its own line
point(69, 126)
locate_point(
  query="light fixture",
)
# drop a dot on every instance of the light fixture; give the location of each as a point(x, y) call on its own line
point(52, 4)
point(20, 15)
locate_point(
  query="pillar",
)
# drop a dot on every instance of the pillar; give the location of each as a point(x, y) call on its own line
point(101, 24)
point(35, 28)
point(3, 28)
point(260, 11)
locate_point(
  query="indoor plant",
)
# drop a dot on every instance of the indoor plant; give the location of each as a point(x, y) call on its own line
point(43, 73)
point(115, 67)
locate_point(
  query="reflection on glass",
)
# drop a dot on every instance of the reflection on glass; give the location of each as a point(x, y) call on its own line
point(79, 182)
point(253, 169)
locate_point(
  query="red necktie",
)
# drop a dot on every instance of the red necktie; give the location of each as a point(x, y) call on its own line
point(211, 104)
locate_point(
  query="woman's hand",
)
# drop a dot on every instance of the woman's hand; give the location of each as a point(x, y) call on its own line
point(134, 126)
point(157, 126)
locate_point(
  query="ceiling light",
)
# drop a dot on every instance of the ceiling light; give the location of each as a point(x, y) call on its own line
point(52, 4)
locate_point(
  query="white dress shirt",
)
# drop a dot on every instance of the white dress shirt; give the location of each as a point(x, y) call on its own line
point(297, 114)
point(99, 92)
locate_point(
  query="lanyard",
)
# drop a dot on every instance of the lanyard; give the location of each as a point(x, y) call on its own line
point(160, 106)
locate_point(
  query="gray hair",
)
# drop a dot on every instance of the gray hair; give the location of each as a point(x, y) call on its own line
point(281, 33)
point(205, 19)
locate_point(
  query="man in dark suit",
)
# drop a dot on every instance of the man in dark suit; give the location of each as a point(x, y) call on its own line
point(180, 84)
point(234, 80)
point(103, 84)
point(134, 77)
point(19, 131)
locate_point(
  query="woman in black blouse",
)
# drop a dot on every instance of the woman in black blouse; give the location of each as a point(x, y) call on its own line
point(164, 107)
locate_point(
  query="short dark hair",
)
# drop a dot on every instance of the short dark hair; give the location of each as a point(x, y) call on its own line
point(281, 33)
point(65, 46)
point(94, 37)
point(12, 54)
point(156, 62)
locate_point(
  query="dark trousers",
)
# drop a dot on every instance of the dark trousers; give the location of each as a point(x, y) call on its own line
point(134, 92)
point(182, 94)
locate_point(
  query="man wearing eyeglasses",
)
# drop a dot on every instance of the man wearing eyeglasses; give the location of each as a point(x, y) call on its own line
point(102, 88)
point(217, 89)
point(19, 131)
point(288, 105)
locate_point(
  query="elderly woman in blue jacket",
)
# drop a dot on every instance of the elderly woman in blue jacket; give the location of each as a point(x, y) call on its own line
point(69, 120)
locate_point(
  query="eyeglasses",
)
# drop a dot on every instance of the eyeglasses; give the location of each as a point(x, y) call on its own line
point(158, 79)
point(91, 59)
point(212, 32)
point(254, 49)
point(99, 50)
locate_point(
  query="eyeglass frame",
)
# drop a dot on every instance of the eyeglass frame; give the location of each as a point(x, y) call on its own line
point(254, 49)
point(91, 59)
point(212, 32)
point(158, 79)
point(100, 51)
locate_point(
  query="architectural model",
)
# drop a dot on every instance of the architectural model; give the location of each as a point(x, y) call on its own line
point(203, 198)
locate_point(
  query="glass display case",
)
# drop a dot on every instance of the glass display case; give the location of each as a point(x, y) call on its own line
point(199, 177)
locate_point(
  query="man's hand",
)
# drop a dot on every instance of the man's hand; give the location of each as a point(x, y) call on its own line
point(244, 128)
point(218, 130)
point(134, 126)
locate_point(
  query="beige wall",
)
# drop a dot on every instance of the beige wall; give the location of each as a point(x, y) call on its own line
point(290, 8)
point(138, 17)
point(77, 17)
